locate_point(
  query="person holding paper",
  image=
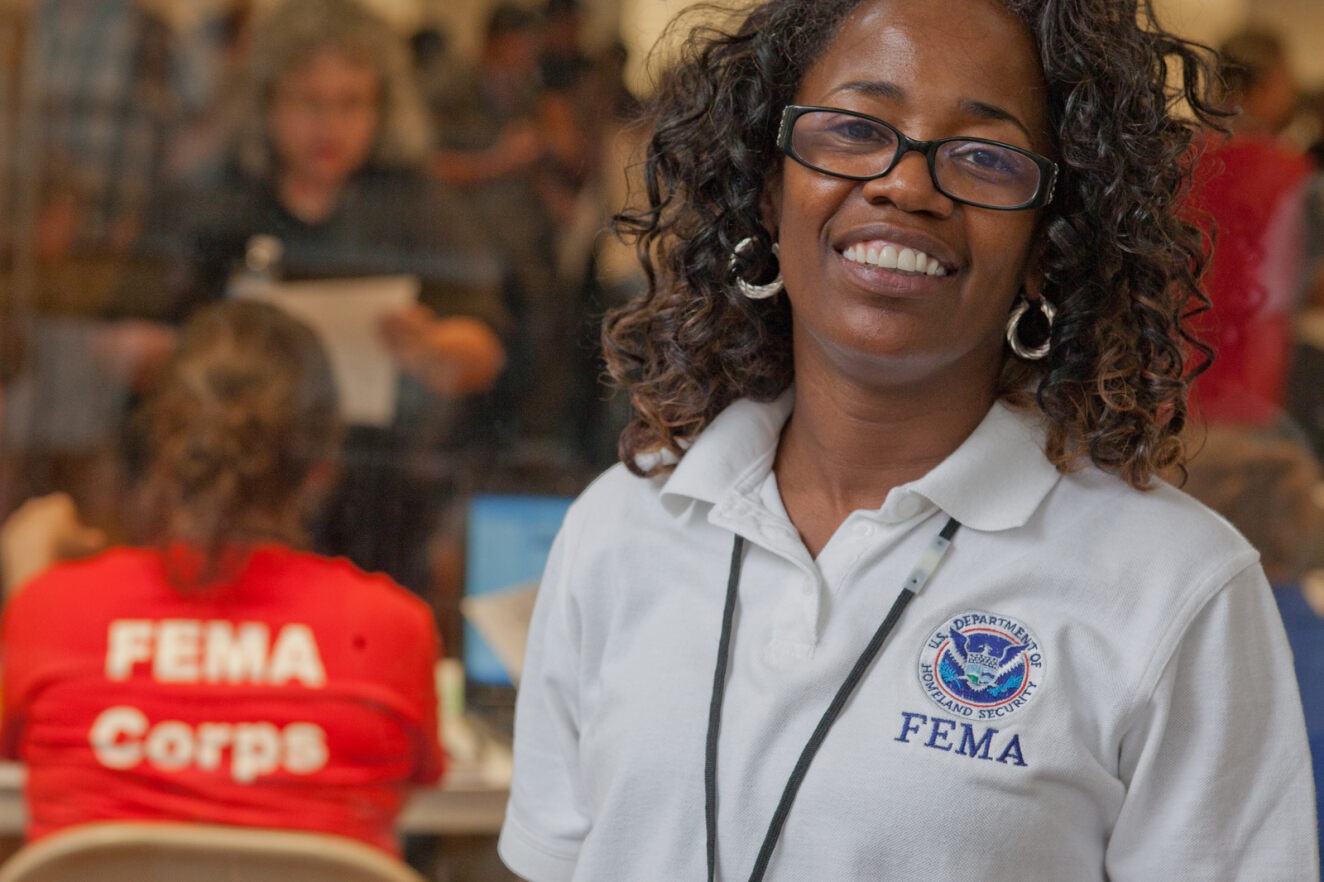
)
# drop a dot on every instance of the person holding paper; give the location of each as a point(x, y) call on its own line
point(215, 673)
point(325, 160)
point(324, 181)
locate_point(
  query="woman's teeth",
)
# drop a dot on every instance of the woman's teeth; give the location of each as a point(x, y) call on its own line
point(906, 260)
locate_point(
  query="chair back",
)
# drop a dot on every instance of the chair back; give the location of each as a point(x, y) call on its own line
point(132, 851)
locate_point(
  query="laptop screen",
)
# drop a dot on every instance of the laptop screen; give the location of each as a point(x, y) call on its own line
point(507, 539)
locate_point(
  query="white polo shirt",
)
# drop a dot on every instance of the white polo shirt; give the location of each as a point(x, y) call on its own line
point(1094, 685)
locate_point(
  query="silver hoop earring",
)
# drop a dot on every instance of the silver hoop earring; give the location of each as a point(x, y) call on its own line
point(749, 289)
point(1029, 353)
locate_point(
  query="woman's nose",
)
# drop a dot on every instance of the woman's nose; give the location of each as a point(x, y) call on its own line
point(909, 186)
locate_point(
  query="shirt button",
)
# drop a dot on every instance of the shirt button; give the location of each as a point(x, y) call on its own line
point(863, 531)
point(909, 507)
point(807, 587)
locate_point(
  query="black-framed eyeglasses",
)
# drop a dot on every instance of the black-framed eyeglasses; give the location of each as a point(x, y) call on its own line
point(976, 171)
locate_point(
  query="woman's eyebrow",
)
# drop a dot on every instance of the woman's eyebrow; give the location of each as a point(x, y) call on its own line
point(876, 88)
point(895, 92)
point(984, 110)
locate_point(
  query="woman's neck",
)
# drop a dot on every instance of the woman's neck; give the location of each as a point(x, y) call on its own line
point(843, 450)
point(249, 528)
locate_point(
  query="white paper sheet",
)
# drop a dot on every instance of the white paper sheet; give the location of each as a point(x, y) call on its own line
point(346, 315)
point(502, 618)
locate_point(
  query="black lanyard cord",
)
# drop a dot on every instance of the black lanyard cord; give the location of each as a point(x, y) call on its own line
point(913, 584)
point(715, 708)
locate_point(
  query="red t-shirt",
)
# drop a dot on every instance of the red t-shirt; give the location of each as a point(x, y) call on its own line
point(301, 696)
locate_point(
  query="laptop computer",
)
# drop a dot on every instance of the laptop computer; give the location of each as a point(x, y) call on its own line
point(507, 539)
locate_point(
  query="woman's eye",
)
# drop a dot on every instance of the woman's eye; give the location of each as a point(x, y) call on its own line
point(989, 159)
point(859, 131)
point(985, 157)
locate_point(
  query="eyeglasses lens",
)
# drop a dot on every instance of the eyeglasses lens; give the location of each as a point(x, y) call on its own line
point(979, 172)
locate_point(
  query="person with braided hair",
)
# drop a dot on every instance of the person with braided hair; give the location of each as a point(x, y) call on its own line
point(888, 583)
point(216, 673)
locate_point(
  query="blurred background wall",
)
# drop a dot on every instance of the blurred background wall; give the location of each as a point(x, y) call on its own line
point(638, 22)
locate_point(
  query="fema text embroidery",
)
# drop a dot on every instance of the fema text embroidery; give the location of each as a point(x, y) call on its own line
point(959, 737)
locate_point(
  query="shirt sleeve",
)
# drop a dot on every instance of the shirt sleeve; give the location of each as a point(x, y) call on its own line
point(1216, 763)
point(546, 819)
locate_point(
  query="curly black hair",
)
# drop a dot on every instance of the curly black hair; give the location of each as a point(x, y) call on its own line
point(1120, 257)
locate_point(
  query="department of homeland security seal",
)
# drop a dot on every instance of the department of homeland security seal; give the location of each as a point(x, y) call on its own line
point(981, 665)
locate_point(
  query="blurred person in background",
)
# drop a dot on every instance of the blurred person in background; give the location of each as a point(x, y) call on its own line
point(69, 372)
point(94, 89)
point(1268, 485)
point(324, 179)
point(430, 55)
point(1250, 195)
point(516, 151)
point(605, 269)
point(216, 44)
point(215, 673)
point(40, 532)
point(102, 79)
point(1305, 386)
point(563, 63)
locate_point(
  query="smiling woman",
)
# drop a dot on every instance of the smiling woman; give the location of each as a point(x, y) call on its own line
point(858, 327)
point(965, 632)
point(711, 194)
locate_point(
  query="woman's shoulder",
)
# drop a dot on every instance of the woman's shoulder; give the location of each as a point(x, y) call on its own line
point(104, 579)
point(285, 562)
point(617, 493)
point(1162, 527)
point(334, 577)
point(623, 517)
point(98, 570)
point(1161, 499)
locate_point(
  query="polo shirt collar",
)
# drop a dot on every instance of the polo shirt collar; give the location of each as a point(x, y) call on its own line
point(995, 480)
point(739, 444)
point(998, 477)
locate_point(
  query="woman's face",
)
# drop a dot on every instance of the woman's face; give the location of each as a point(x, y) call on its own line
point(933, 69)
point(324, 117)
